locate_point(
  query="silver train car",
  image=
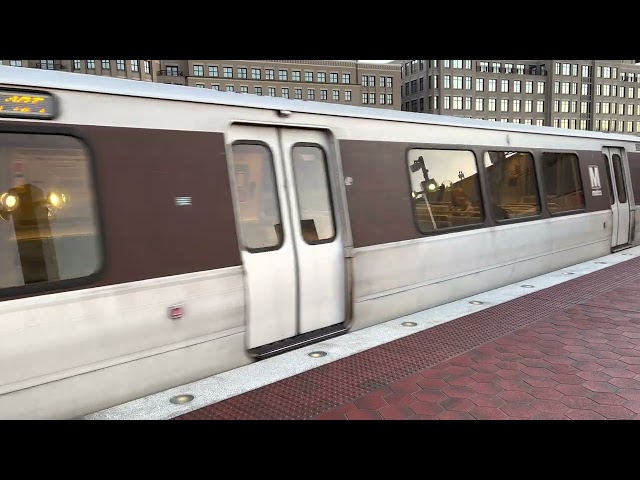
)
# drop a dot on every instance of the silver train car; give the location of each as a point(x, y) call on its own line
point(153, 235)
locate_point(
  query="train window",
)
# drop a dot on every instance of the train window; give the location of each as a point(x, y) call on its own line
point(634, 166)
point(562, 182)
point(617, 171)
point(257, 195)
point(607, 169)
point(48, 220)
point(512, 182)
point(314, 197)
point(445, 189)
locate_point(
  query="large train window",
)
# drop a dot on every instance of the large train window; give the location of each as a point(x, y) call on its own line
point(512, 182)
point(48, 220)
point(257, 195)
point(445, 189)
point(562, 182)
point(314, 197)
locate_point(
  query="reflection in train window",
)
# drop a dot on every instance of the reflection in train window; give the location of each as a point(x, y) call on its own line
point(512, 183)
point(258, 205)
point(607, 169)
point(48, 220)
point(445, 189)
point(314, 197)
point(617, 171)
point(562, 182)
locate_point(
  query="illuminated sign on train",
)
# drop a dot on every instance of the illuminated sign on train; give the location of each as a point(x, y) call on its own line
point(20, 104)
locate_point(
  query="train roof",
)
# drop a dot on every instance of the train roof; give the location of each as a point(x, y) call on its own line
point(36, 78)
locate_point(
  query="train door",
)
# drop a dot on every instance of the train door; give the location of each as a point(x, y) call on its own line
point(292, 246)
point(620, 198)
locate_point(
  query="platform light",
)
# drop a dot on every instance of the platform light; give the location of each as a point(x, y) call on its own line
point(567, 273)
point(603, 263)
point(527, 286)
point(9, 202)
point(409, 324)
point(476, 302)
point(318, 354)
point(181, 399)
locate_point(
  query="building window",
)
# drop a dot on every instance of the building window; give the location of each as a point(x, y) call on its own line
point(227, 72)
point(516, 105)
point(439, 204)
point(77, 64)
point(256, 73)
point(257, 90)
point(283, 75)
point(215, 87)
point(120, 65)
point(230, 88)
point(457, 82)
point(198, 71)
point(17, 63)
point(311, 94)
point(372, 98)
point(336, 95)
point(271, 91)
point(389, 98)
point(213, 71)
point(528, 86)
point(382, 99)
point(242, 72)
point(269, 74)
point(479, 104)
point(135, 65)
point(333, 78)
point(323, 94)
point(322, 77)
point(295, 75)
point(504, 105)
point(517, 86)
point(540, 106)
point(504, 86)
point(106, 64)
point(457, 103)
point(308, 76)
point(42, 249)
point(244, 89)
point(365, 99)
point(147, 67)
point(199, 85)
point(389, 82)
point(347, 95)
point(492, 84)
point(285, 93)
point(346, 78)
point(298, 93)
point(540, 88)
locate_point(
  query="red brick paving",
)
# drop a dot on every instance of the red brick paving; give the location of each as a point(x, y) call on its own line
point(567, 352)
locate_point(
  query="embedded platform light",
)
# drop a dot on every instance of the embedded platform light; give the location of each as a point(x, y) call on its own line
point(409, 324)
point(476, 302)
point(527, 286)
point(602, 263)
point(318, 354)
point(181, 399)
point(567, 273)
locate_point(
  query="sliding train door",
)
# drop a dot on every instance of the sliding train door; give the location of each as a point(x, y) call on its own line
point(291, 243)
point(620, 198)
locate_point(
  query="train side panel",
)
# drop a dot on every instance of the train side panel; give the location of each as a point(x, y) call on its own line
point(399, 270)
point(634, 167)
point(148, 226)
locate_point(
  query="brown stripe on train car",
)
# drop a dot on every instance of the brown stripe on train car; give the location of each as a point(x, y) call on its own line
point(634, 166)
point(139, 173)
point(379, 198)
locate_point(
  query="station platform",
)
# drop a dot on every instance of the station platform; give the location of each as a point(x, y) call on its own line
point(565, 345)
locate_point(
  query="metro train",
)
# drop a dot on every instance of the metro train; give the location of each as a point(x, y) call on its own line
point(154, 235)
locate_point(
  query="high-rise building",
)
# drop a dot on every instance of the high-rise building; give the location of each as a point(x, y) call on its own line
point(600, 95)
point(145, 70)
point(335, 81)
